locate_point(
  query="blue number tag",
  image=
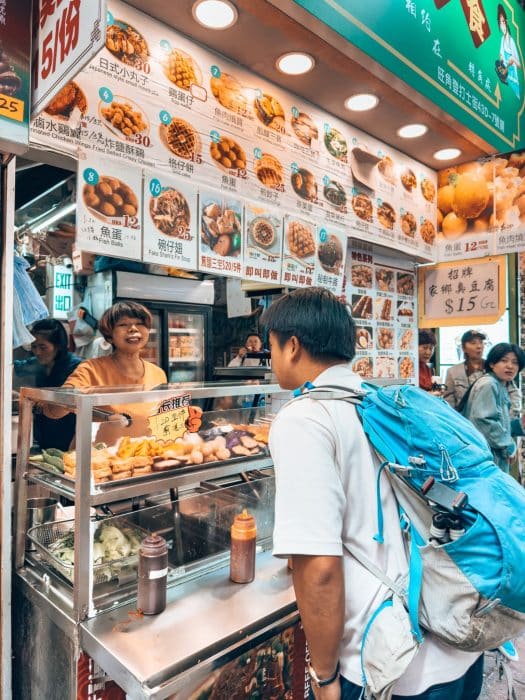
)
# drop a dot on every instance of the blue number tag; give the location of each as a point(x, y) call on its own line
point(105, 94)
point(294, 167)
point(90, 176)
point(257, 153)
point(326, 180)
point(215, 71)
point(379, 202)
point(326, 127)
point(165, 45)
point(155, 187)
point(109, 18)
point(354, 140)
point(295, 112)
point(215, 136)
point(165, 117)
point(323, 235)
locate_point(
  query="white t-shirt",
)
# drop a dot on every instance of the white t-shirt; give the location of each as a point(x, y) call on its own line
point(319, 505)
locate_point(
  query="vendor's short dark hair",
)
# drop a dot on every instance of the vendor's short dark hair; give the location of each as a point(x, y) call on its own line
point(121, 309)
point(317, 318)
point(498, 351)
point(426, 337)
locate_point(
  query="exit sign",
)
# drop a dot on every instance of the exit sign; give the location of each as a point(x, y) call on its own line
point(59, 294)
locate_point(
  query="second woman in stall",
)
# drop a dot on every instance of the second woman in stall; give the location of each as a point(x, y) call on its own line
point(126, 325)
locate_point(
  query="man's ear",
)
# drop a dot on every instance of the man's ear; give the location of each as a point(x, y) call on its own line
point(294, 348)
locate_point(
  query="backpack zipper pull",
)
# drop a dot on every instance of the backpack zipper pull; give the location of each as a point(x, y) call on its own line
point(447, 471)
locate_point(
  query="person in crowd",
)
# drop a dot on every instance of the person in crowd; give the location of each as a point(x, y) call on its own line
point(488, 403)
point(426, 344)
point(461, 376)
point(126, 325)
point(55, 364)
point(253, 343)
point(326, 478)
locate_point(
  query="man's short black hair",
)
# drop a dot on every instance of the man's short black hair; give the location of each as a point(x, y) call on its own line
point(498, 352)
point(317, 318)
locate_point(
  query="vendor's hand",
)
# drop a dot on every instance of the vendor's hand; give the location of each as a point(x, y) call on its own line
point(328, 692)
point(242, 352)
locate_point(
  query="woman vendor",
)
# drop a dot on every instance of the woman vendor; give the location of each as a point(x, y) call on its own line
point(126, 325)
point(55, 364)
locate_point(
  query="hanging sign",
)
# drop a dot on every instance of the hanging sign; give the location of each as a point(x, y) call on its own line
point(68, 34)
point(467, 292)
point(174, 417)
point(59, 290)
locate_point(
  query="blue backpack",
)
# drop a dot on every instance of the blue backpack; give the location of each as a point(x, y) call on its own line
point(467, 588)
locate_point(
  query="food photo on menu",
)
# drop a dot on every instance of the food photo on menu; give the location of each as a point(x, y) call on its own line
point(269, 171)
point(221, 226)
point(269, 112)
point(335, 194)
point(304, 184)
point(127, 44)
point(228, 155)
point(124, 119)
point(406, 339)
point(229, 92)
point(111, 200)
point(305, 129)
point(170, 213)
point(364, 338)
point(69, 101)
point(264, 231)
point(362, 275)
point(300, 240)
point(181, 139)
point(181, 69)
point(362, 306)
point(330, 254)
point(383, 309)
point(385, 367)
point(364, 366)
point(405, 283)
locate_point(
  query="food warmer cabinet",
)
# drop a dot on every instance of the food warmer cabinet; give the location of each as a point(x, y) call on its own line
point(72, 607)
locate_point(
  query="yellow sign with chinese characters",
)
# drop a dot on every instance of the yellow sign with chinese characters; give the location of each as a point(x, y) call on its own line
point(170, 420)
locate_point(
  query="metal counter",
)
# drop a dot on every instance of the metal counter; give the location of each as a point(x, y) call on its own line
point(204, 618)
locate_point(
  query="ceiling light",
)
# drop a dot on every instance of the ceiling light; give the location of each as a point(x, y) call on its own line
point(295, 63)
point(412, 131)
point(361, 102)
point(447, 154)
point(215, 14)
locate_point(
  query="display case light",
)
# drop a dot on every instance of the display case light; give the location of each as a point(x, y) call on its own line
point(295, 63)
point(447, 154)
point(412, 131)
point(215, 14)
point(361, 102)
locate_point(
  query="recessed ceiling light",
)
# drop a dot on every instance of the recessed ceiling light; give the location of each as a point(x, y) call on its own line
point(295, 63)
point(215, 14)
point(447, 154)
point(361, 102)
point(412, 131)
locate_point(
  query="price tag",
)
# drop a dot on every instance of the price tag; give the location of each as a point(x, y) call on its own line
point(170, 421)
point(12, 108)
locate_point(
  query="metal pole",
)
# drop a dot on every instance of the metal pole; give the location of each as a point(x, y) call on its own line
point(7, 242)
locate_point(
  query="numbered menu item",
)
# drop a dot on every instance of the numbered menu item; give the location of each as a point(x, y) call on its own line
point(221, 221)
point(335, 143)
point(181, 138)
point(229, 92)
point(269, 111)
point(127, 44)
point(304, 184)
point(330, 261)
point(169, 223)
point(304, 128)
point(269, 171)
point(70, 98)
point(109, 211)
point(228, 154)
point(263, 244)
point(181, 69)
point(298, 252)
point(123, 117)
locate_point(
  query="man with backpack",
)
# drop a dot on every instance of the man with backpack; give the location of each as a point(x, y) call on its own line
point(327, 480)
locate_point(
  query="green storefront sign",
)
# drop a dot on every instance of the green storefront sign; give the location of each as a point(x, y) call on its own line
point(464, 55)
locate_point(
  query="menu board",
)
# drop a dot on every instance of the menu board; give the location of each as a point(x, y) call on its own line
point(220, 239)
point(299, 252)
point(481, 208)
point(382, 296)
point(153, 99)
point(330, 259)
point(170, 222)
point(108, 208)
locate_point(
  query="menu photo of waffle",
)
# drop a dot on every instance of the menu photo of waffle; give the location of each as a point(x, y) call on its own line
point(383, 309)
point(362, 306)
point(405, 310)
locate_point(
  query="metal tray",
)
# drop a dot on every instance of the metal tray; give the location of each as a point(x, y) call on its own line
point(108, 485)
point(43, 536)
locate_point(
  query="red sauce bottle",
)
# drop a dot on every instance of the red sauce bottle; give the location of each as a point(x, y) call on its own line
point(242, 559)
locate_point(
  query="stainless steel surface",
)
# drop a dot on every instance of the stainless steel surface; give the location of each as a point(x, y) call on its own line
point(133, 285)
point(203, 617)
point(39, 511)
point(7, 209)
point(183, 478)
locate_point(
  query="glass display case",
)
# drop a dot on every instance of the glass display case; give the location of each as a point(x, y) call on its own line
point(144, 461)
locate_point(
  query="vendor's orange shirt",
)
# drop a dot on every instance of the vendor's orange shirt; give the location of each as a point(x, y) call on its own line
point(103, 372)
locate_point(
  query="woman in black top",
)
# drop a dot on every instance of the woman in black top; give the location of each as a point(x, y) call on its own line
point(55, 365)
